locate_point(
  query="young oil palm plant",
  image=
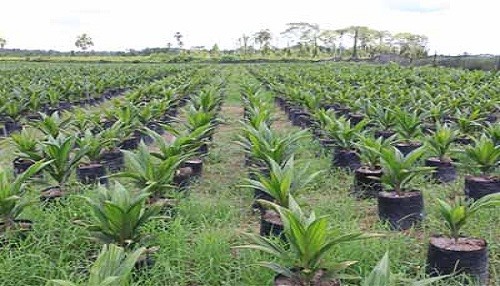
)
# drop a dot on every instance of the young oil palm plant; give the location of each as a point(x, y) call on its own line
point(52, 125)
point(367, 177)
point(207, 100)
point(309, 240)
point(118, 215)
point(92, 169)
point(282, 181)
point(468, 124)
point(27, 149)
point(185, 142)
point(150, 173)
point(384, 119)
point(440, 143)
point(13, 198)
point(402, 207)
point(493, 132)
point(13, 110)
point(345, 137)
point(484, 159)
point(381, 276)
point(261, 144)
point(409, 130)
point(277, 186)
point(455, 253)
point(64, 160)
point(112, 267)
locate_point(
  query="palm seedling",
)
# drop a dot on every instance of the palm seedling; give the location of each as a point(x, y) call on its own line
point(493, 132)
point(440, 143)
point(184, 142)
point(367, 177)
point(277, 186)
point(52, 125)
point(118, 215)
point(64, 160)
point(409, 129)
point(92, 169)
point(468, 125)
point(345, 136)
point(400, 170)
point(112, 267)
point(454, 253)
point(309, 240)
point(320, 119)
point(456, 215)
point(83, 120)
point(13, 198)
point(398, 173)
point(27, 146)
point(13, 110)
point(282, 181)
point(207, 100)
point(151, 174)
point(385, 120)
point(437, 114)
point(261, 144)
point(381, 276)
point(485, 155)
point(484, 159)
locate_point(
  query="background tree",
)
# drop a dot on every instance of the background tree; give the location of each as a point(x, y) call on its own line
point(178, 37)
point(84, 42)
point(362, 37)
point(3, 42)
point(329, 39)
point(384, 41)
point(244, 42)
point(411, 45)
point(263, 39)
point(367, 39)
point(341, 33)
point(215, 51)
point(304, 34)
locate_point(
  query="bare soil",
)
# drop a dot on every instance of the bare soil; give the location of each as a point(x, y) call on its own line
point(463, 243)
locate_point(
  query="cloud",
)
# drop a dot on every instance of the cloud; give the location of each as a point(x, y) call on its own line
point(418, 6)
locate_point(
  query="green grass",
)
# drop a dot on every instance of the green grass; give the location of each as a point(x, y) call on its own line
point(196, 245)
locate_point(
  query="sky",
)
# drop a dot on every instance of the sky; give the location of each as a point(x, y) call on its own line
point(453, 26)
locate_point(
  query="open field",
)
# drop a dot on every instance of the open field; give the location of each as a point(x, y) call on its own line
point(99, 110)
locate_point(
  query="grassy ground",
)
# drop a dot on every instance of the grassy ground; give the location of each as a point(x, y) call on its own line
point(195, 246)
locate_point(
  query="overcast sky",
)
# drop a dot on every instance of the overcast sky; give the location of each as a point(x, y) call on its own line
point(453, 26)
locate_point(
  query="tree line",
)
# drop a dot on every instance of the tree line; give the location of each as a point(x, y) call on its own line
point(309, 39)
point(302, 40)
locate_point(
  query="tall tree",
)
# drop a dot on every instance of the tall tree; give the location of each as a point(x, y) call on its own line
point(3, 42)
point(244, 41)
point(303, 33)
point(384, 38)
point(215, 51)
point(341, 33)
point(263, 38)
point(355, 31)
point(361, 34)
point(411, 45)
point(84, 42)
point(329, 39)
point(178, 37)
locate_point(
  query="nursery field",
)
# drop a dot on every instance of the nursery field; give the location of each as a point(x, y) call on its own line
point(258, 174)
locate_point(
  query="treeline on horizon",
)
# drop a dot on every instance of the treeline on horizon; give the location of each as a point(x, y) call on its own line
point(303, 39)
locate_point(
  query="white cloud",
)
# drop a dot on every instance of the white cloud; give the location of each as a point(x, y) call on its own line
point(452, 26)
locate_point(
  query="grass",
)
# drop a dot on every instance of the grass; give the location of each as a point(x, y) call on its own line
point(196, 245)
